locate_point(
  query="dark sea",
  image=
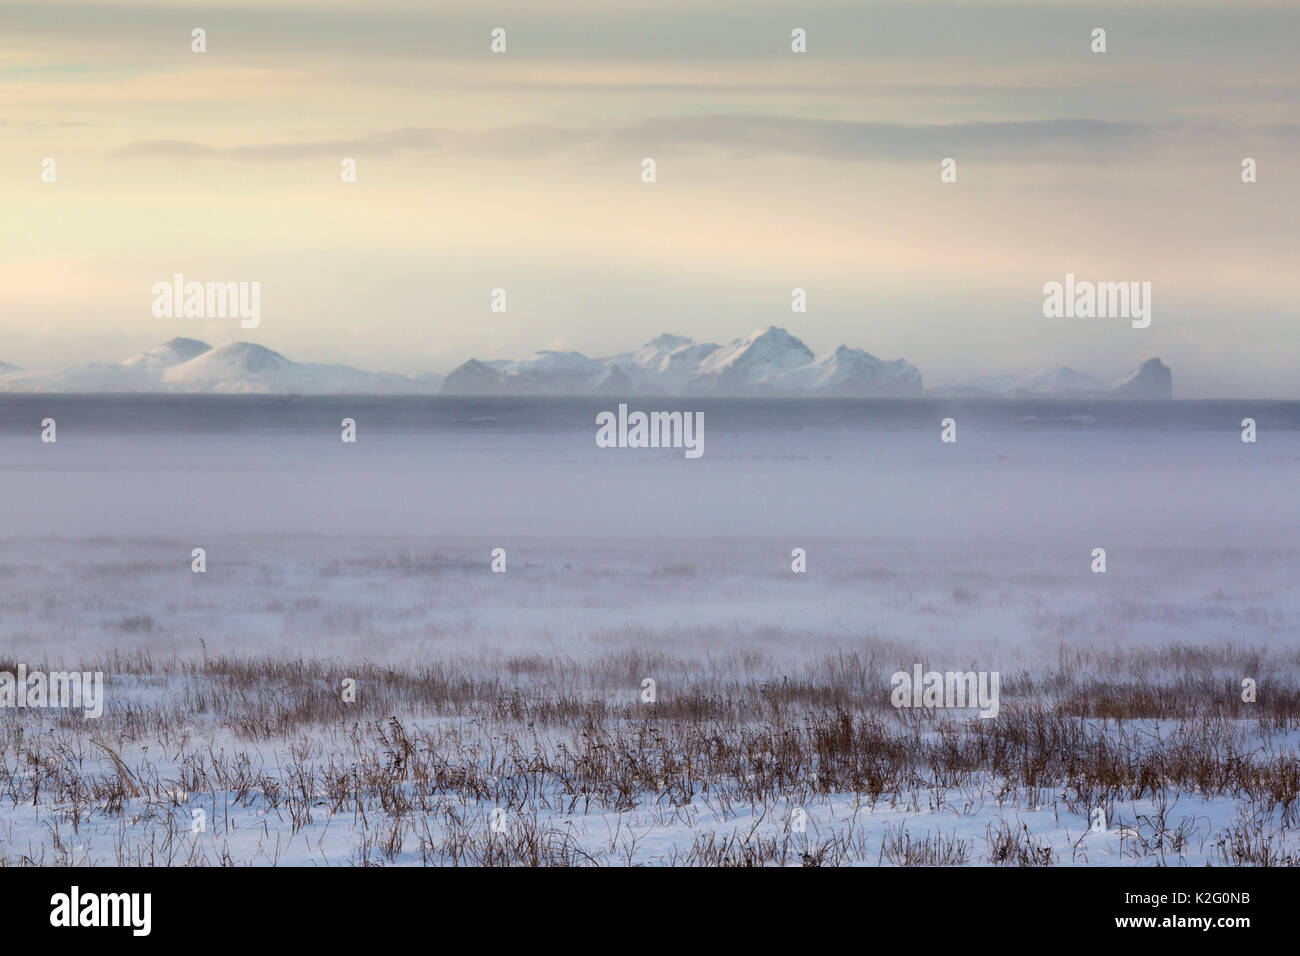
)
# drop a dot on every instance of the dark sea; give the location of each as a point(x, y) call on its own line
point(198, 414)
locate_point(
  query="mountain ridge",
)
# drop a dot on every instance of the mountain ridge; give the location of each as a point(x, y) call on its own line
point(766, 362)
point(191, 366)
point(1153, 379)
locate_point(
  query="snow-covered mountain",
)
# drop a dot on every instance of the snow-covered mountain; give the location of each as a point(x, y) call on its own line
point(243, 367)
point(168, 354)
point(82, 378)
point(1064, 382)
point(666, 363)
point(766, 362)
point(853, 373)
point(757, 362)
point(1153, 379)
point(542, 373)
point(188, 365)
point(1059, 381)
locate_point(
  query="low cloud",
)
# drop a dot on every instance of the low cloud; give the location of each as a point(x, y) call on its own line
point(1061, 140)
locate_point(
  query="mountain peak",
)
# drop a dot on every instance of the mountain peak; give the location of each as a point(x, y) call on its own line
point(666, 340)
point(170, 353)
point(250, 355)
point(238, 367)
point(774, 333)
point(182, 344)
point(1153, 379)
point(751, 363)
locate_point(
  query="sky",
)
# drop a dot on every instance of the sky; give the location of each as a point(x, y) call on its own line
point(775, 170)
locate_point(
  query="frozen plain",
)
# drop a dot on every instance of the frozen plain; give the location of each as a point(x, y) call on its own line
point(521, 691)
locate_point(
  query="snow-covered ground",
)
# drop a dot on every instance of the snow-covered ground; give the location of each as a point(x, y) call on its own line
point(521, 692)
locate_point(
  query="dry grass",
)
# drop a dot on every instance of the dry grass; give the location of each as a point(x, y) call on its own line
point(416, 762)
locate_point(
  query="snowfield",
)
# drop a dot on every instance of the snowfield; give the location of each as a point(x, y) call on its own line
point(501, 718)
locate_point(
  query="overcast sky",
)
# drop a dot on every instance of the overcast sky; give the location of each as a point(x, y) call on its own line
point(775, 170)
